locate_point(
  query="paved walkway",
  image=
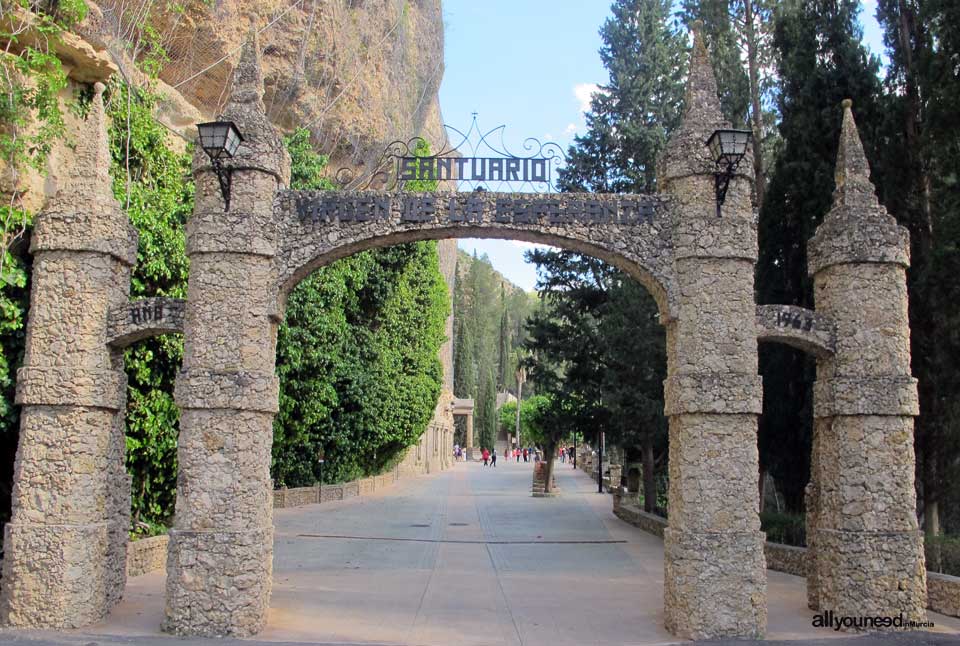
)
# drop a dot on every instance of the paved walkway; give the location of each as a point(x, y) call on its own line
point(465, 557)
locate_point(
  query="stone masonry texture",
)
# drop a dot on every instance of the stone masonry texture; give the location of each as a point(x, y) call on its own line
point(714, 570)
point(65, 546)
point(867, 549)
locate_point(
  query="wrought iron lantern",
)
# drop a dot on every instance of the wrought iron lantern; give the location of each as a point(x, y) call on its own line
point(727, 148)
point(220, 140)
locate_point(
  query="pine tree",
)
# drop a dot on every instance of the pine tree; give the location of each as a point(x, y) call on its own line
point(632, 115)
point(917, 181)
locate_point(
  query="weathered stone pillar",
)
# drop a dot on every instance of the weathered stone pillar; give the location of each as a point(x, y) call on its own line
point(470, 434)
point(715, 574)
point(64, 560)
point(219, 562)
point(869, 549)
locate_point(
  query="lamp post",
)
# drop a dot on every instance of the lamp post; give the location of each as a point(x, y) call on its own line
point(220, 140)
point(727, 147)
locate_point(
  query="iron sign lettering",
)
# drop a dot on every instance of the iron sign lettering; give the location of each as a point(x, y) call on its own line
point(467, 208)
point(474, 169)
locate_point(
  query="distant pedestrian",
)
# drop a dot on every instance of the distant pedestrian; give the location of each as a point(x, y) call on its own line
point(524, 455)
point(493, 458)
point(486, 457)
point(563, 454)
point(516, 454)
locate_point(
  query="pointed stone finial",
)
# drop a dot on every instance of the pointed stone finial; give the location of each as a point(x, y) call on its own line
point(89, 176)
point(702, 100)
point(852, 172)
point(858, 228)
point(246, 92)
point(84, 215)
point(686, 152)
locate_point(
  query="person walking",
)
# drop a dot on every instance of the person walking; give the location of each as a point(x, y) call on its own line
point(493, 458)
point(486, 457)
point(516, 454)
point(524, 455)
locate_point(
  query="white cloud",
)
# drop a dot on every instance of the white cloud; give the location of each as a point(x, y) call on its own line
point(583, 92)
point(570, 130)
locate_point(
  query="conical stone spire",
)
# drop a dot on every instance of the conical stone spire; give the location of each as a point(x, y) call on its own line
point(84, 215)
point(701, 100)
point(686, 153)
point(246, 93)
point(857, 228)
point(852, 173)
point(262, 145)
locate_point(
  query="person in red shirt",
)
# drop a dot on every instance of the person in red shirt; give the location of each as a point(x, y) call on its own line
point(486, 457)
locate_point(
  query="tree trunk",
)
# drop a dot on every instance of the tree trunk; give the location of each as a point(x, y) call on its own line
point(756, 117)
point(649, 481)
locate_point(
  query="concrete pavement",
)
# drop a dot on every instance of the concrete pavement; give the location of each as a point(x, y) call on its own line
point(466, 557)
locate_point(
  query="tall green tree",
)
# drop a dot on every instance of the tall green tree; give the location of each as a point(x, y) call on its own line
point(821, 62)
point(917, 182)
point(631, 116)
point(357, 354)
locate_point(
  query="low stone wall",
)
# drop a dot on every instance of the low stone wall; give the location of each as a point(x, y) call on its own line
point(943, 593)
point(650, 523)
point(299, 496)
point(146, 555)
point(786, 558)
point(943, 590)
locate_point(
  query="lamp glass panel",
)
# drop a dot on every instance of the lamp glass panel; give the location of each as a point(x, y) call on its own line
point(214, 137)
point(715, 147)
point(233, 140)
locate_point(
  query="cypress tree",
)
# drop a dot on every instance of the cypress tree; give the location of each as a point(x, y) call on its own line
point(821, 62)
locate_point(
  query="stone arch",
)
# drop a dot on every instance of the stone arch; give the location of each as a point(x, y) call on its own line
point(642, 249)
point(64, 544)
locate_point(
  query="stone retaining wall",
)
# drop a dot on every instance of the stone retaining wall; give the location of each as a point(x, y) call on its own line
point(786, 558)
point(146, 555)
point(943, 590)
point(299, 496)
point(943, 593)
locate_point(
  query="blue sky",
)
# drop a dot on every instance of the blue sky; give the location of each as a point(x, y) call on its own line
point(530, 65)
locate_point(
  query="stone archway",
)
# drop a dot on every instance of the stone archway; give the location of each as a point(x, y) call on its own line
point(67, 533)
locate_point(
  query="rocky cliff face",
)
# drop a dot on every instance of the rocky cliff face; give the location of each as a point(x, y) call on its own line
point(357, 73)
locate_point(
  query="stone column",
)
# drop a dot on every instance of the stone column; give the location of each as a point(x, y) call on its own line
point(869, 549)
point(64, 560)
point(714, 569)
point(219, 562)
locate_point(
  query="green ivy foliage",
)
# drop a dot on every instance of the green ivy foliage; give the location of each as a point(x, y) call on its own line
point(158, 198)
point(357, 354)
point(31, 122)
